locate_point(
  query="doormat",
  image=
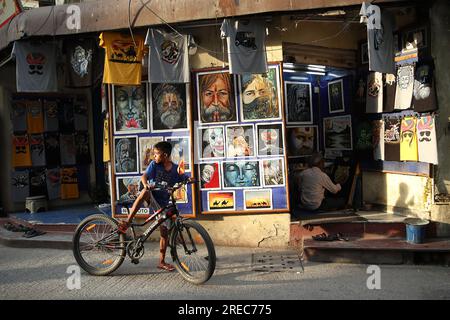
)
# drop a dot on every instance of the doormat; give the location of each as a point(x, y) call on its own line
point(268, 262)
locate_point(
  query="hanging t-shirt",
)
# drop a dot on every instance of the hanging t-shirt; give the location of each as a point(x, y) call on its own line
point(392, 139)
point(53, 179)
point(67, 149)
point(408, 140)
point(83, 156)
point(79, 61)
point(51, 121)
point(381, 45)
point(405, 86)
point(424, 95)
point(389, 93)
point(20, 185)
point(426, 136)
point(374, 100)
point(80, 115)
point(19, 116)
point(37, 147)
point(378, 139)
point(35, 66)
point(52, 155)
point(38, 186)
point(69, 183)
point(123, 61)
point(35, 117)
point(21, 156)
point(66, 116)
point(246, 45)
point(168, 57)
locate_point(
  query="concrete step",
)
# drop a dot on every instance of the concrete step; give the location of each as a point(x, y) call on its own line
point(378, 251)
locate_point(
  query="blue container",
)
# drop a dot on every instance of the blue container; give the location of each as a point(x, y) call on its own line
point(416, 230)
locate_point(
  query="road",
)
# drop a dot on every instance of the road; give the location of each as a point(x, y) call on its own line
point(43, 274)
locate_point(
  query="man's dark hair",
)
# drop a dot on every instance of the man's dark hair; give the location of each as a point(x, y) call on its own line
point(164, 146)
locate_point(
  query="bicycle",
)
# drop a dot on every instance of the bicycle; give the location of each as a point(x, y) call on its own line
point(100, 249)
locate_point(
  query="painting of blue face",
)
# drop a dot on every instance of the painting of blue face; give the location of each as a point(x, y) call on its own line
point(241, 174)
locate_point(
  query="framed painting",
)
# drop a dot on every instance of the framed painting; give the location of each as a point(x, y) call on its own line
point(212, 142)
point(273, 173)
point(221, 200)
point(258, 199)
point(337, 133)
point(270, 141)
point(146, 150)
point(260, 95)
point(240, 141)
point(302, 141)
point(241, 174)
point(126, 154)
point(216, 97)
point(336, 96)
point(181, 150)
point(169, 107)
point(210, 176)
point(130, 109)
point(298, 98)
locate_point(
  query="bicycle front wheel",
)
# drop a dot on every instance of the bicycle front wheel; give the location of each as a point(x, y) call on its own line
point(193, 252)
point(97, 246)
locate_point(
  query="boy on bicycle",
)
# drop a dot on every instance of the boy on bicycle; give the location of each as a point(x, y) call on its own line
point(160, 170)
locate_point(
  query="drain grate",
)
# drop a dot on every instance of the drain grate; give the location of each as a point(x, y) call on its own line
point(264, 262)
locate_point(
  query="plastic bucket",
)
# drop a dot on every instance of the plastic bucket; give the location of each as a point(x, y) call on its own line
point(415, 230)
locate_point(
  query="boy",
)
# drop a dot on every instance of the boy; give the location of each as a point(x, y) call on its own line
point(161, 169)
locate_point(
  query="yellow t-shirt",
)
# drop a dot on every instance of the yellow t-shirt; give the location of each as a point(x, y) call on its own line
point(106, 153)
point(123, 61)
point(69, 183)
point(21, 156)
point(408, 140)
point(35, 117)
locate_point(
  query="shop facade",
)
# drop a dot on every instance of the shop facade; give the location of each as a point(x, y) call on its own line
point(317, 53)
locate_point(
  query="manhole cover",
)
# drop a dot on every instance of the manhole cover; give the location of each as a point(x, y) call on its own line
point(264, 262)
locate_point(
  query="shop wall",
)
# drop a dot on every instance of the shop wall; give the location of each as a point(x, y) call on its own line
point(409, 194)
point(7, 89)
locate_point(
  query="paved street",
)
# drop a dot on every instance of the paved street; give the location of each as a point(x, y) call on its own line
point(42, 274)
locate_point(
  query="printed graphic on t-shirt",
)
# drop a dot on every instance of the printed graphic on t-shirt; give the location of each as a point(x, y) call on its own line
point(21, 151)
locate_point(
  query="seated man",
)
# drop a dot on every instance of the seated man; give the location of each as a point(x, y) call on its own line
point(313, 182)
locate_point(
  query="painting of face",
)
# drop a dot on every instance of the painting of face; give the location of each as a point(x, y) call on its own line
point(302, 141)
point(128, 188)
point(213, 142)
point(240, 141)
point(180, 150)
point(210, 175)
point(216, 97)
point(270, 139)
point(241, 174)
point(299, 102)
point(169, 107)
point(146, 150)
point(336, 96)
point(273, 172)
point(260, 95)
point(130, 109)
point(126, 154)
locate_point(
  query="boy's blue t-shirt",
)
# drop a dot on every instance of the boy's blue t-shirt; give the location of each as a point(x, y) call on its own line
point(156, 173)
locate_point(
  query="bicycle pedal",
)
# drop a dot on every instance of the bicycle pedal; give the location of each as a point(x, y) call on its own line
point(135, 261)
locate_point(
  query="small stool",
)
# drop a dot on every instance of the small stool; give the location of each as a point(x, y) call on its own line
point(36, 204)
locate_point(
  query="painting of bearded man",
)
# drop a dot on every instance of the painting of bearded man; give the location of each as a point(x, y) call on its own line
point(169, 107)
point(216, 98)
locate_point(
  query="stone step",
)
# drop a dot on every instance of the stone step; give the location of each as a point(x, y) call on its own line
point(378, 251)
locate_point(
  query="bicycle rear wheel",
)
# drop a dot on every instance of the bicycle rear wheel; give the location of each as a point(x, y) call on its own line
point(193, 252)
point(97, 246)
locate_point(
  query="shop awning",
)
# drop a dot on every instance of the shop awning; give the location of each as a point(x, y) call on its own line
point(103, 15)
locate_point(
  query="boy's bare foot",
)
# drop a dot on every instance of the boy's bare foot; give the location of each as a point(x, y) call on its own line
point(166, 266)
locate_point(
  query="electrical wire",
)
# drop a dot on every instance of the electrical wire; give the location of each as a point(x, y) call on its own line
point(129, 22)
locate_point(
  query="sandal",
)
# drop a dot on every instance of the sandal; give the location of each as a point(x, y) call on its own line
point(166, 267)
point(33, 233)
point(11, 227)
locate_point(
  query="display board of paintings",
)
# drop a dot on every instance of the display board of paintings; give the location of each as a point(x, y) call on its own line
point(240, 154)
point(143, 116)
